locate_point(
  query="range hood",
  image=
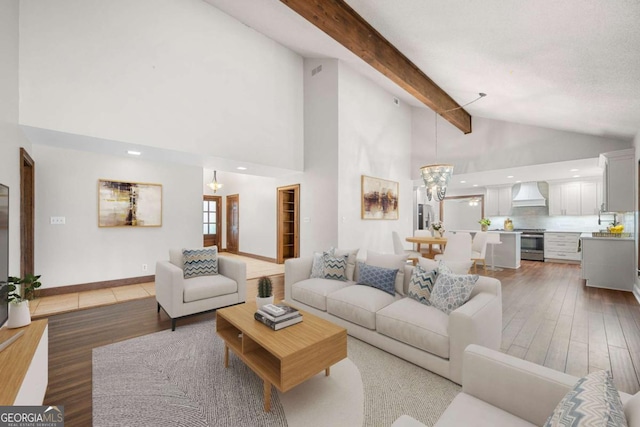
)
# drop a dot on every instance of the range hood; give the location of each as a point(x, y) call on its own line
point(529, 195)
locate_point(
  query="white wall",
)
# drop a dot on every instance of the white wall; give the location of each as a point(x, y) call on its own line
point(176, 74)
point(80, 251)
point(375, 140)
point(495, 144)
point(257, 217)
point(11, 137)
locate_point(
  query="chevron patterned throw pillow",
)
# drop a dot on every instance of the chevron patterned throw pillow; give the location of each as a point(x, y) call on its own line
point(335, 268)
point(593, 401)
point(421, 284)
point(200, 262)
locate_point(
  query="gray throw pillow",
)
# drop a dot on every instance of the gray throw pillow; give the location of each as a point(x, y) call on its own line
point(451, 291)
point(317, 269)
point(593, 401)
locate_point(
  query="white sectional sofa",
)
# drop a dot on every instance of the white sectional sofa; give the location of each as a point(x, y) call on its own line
point(502, 390)
point(400, 325)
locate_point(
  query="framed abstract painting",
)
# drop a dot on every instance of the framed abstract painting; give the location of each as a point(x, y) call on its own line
point(129, 204)
point(379, 198)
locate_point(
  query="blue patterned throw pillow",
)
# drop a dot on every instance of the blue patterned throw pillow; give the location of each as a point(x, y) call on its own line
point(421, 284)
point(452, 290)
point(334, 268)
point(200, 262)
point(593, 401)
point(378, 277)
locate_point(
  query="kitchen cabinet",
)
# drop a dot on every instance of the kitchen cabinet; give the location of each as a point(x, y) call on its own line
point(498, 201)
point(608, 262)
point(562, 247)
point(575, 197)
point(618, 180)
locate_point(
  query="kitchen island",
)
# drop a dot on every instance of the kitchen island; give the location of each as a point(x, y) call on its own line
point(608, 262)
point(506, 254)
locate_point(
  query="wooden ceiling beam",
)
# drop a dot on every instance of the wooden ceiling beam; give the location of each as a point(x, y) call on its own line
point(337, 19)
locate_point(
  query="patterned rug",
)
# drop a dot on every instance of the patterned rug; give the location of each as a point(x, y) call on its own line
point(178, 379)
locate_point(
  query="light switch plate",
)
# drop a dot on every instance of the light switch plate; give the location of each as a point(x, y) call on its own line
point(58, 220)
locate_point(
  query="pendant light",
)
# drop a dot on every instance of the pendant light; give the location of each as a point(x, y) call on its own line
point(436, 176)
point(214, 185)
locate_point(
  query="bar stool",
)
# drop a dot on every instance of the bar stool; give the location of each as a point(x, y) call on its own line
point(493, 239)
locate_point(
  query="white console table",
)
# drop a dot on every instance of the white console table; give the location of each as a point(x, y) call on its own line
point(24, 365)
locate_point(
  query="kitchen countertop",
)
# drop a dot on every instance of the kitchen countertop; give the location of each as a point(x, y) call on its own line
point(589, 236)
point(489, 231)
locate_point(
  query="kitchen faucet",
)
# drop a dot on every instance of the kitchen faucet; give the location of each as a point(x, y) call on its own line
point(615, 216)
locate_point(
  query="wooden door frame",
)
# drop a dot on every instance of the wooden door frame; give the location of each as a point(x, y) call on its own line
point(27, 213)
point(280, 238)
point(218, 218)
point(229, 222)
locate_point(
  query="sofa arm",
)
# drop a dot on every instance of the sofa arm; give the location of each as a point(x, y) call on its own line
point(478, 321)
point(522, 388)
point(169, 287)
point(237, 270)
point(295, 270)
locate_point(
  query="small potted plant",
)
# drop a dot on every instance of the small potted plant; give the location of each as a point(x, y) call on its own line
point(265, 292)
point(438, 228)
point(484, 224)
point(21, 291)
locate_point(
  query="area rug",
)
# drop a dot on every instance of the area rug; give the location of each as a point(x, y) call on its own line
point(178, 379)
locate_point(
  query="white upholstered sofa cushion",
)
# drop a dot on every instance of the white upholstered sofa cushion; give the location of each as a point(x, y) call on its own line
point(416, 324)
point(466, 410)
point(358, 304)
point(203, 287)
point(314, 292)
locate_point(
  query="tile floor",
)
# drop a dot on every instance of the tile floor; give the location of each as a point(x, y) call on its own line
point(46, 306)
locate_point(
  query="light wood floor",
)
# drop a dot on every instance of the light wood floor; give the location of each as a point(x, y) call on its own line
point(550, 317)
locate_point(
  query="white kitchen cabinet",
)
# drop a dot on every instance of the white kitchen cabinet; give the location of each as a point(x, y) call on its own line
point(608, 262)
point(575, 197)
point(562, 247)
point(498, 201)
point(618, 180)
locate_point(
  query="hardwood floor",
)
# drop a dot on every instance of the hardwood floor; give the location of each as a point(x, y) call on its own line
point(549, 317)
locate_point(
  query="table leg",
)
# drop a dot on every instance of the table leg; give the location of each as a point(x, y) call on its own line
point(327, 371)
point(226, 356)
point(267, 396)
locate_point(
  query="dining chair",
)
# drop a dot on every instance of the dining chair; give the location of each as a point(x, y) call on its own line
point(424, 250)
point(479, 250)
point(457, 253)
point(399, 249)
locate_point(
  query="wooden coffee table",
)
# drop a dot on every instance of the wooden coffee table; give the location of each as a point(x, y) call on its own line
point(283, 358)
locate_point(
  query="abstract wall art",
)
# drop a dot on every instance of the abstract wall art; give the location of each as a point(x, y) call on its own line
point(129, 204)
point(379, 198)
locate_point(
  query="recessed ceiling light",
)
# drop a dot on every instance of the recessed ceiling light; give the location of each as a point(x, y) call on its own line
point(133, 152)
point(574, 170)
point(510, 176)
point(241, 168)
point(463, 182)
point(518, 182)
point(576, 176)
point(475, 185)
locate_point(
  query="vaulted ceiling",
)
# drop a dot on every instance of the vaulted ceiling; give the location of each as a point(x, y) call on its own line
point(571, 65)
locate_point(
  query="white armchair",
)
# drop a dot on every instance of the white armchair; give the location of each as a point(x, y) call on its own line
point(180, 297)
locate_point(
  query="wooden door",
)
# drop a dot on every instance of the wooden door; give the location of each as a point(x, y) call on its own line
point(288, 222)
point(211, 221)
point(27, 213)
point(233, 222)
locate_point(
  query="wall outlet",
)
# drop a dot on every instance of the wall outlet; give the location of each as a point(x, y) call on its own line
point(145, 267)
point(58, 220)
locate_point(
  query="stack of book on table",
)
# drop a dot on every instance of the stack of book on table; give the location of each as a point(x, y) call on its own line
point(278, 316)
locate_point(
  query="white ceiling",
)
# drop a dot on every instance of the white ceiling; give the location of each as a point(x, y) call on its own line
point(571, 65)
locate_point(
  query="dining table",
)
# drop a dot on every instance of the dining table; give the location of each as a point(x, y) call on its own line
point(428, 240)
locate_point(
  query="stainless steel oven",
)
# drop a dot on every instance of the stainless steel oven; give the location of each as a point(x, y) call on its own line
point(532, 244)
